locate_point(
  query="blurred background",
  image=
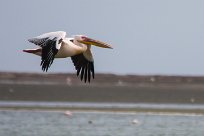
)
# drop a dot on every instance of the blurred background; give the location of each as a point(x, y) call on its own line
point(151, 83)
point(149, 37)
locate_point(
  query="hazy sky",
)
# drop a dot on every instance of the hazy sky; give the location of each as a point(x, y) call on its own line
point(148, 36)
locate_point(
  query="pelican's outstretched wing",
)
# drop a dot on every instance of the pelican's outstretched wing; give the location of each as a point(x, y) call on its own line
point(84, 65)
point(50, 44)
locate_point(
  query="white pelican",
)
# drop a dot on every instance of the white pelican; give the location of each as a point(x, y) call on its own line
point(57, 45)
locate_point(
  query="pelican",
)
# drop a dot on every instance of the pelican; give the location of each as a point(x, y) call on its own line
point(56, 45)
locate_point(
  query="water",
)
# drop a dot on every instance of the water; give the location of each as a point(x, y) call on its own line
point(56, 123)
point(41, 104)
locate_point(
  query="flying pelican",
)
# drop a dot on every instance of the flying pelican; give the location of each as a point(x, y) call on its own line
point(57, 45)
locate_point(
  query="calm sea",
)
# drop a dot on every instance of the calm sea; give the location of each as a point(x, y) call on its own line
point(84, 123)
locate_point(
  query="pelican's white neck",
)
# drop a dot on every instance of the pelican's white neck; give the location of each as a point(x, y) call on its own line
point(83, 46)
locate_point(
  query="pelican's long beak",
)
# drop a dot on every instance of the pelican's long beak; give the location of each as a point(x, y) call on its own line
point(90, 41)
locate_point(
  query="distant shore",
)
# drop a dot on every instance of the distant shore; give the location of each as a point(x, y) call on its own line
point(100, 79)
point(184, 94)
point(105, 88)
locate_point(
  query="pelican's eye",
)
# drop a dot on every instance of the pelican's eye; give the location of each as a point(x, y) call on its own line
point(83, 38)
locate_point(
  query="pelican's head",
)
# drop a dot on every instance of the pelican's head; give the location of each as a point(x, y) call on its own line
point(88, 41)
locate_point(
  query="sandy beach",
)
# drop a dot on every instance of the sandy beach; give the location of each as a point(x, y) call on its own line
point(122, 94)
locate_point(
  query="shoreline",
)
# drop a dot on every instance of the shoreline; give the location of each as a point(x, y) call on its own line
point(102, 107)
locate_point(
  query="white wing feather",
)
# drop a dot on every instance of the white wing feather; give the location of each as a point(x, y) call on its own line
point(41, 39)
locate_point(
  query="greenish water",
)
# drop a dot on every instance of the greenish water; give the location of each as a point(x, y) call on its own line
point(56, 123)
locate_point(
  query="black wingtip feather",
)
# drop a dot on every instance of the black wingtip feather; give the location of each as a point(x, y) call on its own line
point(85, 74)
point(89, 73)
point(48, 54)
point(78, 71)
point(82, 73)
point(84, 67)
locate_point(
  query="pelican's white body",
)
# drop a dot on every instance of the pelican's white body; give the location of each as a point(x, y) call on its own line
point(66, 48)
point(69, 49)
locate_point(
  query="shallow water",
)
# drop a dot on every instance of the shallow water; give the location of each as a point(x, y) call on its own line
point(56, 123)
point(41, 104)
